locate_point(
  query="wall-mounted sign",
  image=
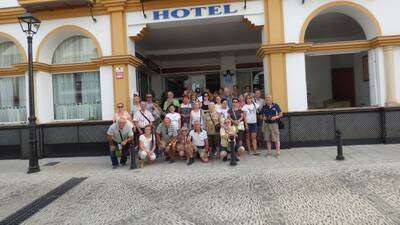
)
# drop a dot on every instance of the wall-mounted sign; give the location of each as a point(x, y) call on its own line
point(119, 73)
point(214, 10)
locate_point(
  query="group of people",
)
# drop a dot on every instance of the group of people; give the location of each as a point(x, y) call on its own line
point(201, 125)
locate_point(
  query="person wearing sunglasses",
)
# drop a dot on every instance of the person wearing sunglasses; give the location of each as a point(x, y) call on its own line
point(121, 113)
point(237, 117)
point(206, 101)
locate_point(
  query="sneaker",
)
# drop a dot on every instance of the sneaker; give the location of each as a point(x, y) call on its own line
point(225, 159)
point(237, 159)
point(123, 164)
point(114, 167)
point(191, 161)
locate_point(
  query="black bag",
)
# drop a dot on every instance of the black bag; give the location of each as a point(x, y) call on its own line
point(281, 125)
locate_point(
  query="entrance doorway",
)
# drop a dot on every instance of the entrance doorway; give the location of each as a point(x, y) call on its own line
point(199, 52)
point(343, 86)
point(178, 83)
point(336, 79)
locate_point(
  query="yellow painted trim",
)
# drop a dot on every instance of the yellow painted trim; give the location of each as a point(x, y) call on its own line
point(10, 15)
point(121, 87)
point(16, 42)
point(274, 21)
point(141, 34)
point(31, 2)
point(73, 27)
point(338, 3)
point(118, 31)
point(95, 64)
point(278, 83)
point(274, 32)
point(329, 46)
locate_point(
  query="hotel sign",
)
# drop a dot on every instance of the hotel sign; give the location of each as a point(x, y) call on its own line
point(194, 12)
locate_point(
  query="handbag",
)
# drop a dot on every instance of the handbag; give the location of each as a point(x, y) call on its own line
point(216, 126)
point(240, 126)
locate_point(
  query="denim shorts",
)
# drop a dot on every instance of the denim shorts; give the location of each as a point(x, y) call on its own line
point(252, 127)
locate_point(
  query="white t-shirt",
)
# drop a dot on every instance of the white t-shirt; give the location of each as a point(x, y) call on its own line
point(198, 139)
point(174, 117)
point(223, 112)
point(197, 116)
point(251, 112)
point(146, 141)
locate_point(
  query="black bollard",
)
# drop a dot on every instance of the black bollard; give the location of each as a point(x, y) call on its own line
point(339, 143)
point(233, 152)
point(133, 154)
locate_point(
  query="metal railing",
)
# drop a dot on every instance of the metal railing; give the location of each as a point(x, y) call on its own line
point(302, 129)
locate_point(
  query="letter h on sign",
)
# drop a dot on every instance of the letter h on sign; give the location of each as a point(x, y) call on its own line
point(164, 14)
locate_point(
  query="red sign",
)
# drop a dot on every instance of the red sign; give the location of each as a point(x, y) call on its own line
point(119, 73)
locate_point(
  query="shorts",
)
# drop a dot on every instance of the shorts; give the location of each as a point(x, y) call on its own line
point(252, 127)
point(201, 149)
point(164, 144)
point(271, 132)
point(143, 155)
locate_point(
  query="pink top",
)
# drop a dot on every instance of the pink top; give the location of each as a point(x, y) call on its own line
point(124, 114)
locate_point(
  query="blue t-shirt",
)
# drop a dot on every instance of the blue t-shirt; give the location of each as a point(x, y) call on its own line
point(271, 110)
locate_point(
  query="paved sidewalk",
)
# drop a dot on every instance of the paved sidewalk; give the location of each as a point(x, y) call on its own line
point(303, 186)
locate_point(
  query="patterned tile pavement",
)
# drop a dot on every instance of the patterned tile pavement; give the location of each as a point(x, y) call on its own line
point(303, 186)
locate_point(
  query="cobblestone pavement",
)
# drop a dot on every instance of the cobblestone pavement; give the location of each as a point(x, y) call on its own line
point(303, 186)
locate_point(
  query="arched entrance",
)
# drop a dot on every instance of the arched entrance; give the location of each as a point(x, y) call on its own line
point(340, 78)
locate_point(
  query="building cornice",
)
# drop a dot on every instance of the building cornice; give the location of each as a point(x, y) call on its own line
point(103, 7)
point(21, 69)
point(343, 46)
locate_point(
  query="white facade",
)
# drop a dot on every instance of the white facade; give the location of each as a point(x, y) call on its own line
point(308, 75)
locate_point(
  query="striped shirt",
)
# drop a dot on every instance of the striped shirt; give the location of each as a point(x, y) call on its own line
point(140, 117)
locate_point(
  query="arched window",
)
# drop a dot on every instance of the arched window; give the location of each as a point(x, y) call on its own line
point(77, 94)
point(9, 54)
point(12, 88)
point(336, 79)
point(75, 49)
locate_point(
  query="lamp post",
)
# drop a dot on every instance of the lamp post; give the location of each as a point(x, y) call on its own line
point(30, 26)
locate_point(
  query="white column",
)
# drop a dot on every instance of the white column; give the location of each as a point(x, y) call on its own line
point(44, 97)
point(107, 92)
point(397, 71)
point(296, 82)
point(266, 74)
point(133, 87)
point(376, 77)
point(265, 63)
point(388, 52)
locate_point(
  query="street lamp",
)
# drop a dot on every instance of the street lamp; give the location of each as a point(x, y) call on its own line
point(30, 26)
